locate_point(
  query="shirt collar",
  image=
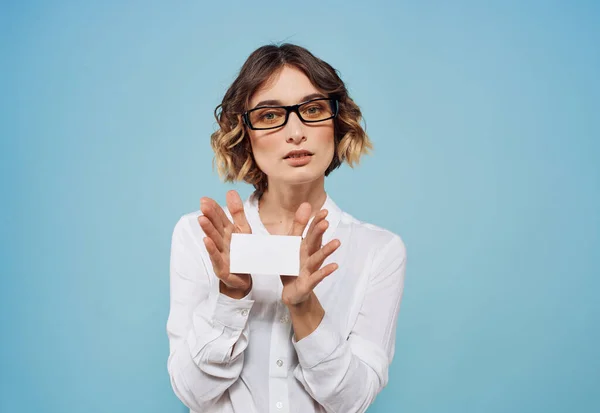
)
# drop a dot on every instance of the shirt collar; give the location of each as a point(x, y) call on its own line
point(333, 216)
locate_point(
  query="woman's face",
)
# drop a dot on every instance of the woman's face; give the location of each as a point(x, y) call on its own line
point(271, 147)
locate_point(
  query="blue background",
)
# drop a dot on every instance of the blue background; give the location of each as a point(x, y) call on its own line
point(486, 131)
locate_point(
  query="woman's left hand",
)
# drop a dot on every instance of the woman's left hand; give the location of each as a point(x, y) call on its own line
point(297, 290)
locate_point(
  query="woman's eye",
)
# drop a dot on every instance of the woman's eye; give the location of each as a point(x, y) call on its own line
point(313, 110)
point(269, 116)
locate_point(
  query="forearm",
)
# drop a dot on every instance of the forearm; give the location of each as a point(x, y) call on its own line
point(335, 374)
point(344, 373)
point(306, 316)
point(199, 384)
point(209, 358)
point(207, 325)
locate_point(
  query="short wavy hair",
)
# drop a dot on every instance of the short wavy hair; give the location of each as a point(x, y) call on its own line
point(233, 153)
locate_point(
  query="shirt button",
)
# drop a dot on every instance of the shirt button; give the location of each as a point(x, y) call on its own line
point(244, 312)
point(279, 405)
point(280, 362)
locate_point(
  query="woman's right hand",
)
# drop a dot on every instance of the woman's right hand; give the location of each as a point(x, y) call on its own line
point(218, 229)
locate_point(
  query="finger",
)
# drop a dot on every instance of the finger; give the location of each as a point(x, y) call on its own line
point(207, 207)
point(215, 258)
point(312, 242)
point(236, 209)
point(226, 225)
point(319, 216)
point(316, 260)
point(210, 231)
point(301, 219)
point(320, 275)
point(314, 237)
point(319, 238)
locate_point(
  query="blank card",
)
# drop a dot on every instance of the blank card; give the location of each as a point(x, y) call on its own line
point(265, 254)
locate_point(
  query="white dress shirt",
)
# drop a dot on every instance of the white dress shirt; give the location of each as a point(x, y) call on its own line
point(240, 356)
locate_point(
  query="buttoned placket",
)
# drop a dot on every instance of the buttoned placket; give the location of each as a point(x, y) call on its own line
point(279, 361)
point(280, 346)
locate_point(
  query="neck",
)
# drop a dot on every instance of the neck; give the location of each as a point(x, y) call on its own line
point(278, 204)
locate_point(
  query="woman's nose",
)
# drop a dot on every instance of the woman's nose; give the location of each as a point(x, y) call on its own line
point(295, 129)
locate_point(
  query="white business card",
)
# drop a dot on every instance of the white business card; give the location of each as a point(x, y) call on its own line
point(265, 254)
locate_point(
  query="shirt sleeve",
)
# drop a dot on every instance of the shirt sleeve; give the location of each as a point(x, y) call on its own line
point(345, 374)
point(207, 330)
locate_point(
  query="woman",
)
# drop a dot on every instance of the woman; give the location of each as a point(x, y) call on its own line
point(319, 342)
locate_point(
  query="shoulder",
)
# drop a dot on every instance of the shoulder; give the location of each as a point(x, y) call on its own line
point(187, 234)
point(383, 244)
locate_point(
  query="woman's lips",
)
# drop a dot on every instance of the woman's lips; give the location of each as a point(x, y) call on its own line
point(298, 160)
point(298, 152)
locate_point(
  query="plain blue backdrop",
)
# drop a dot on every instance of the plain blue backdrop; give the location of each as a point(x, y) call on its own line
point(485, 120)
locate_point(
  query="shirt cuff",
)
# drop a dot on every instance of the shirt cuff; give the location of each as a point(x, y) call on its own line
point(232, 312)
point(318, 345)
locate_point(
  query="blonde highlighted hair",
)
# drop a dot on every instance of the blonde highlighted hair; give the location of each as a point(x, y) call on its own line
point(233, 152)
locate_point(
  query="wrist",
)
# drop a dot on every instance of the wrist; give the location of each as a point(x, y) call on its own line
point(235, 293)
point(306, 316)
point(306, 306)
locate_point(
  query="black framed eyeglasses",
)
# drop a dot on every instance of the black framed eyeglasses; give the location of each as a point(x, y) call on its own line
point(271, 117)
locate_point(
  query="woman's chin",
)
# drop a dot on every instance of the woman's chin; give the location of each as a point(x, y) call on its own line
point(300, 176)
